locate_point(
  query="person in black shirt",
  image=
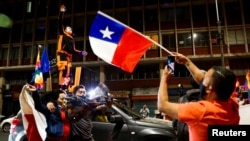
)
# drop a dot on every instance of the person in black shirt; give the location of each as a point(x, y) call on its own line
point(65, 49)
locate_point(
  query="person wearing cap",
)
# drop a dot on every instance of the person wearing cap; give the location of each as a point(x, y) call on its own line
point(65, 49)
point(217, 106)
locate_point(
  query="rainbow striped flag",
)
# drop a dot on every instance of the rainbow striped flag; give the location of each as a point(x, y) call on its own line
point(42, 66)
point(247, 84)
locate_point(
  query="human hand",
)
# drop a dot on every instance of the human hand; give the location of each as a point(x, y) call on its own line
point(180, 58)
point(166, 74)
point(30, 88)
point(51, 107)
point(62, 8)
point(83, 53)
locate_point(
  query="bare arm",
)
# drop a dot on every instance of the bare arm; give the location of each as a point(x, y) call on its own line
point(168, 108)
point(83, 53)
point(193, 69)
point(60, 19)
point(36, 97)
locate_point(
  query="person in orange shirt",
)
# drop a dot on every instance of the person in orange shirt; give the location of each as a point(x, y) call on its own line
point(217, 106)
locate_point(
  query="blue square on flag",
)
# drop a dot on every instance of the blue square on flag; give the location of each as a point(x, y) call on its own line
point(116, 43)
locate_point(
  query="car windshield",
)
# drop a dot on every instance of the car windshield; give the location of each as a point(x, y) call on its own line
point(127, 110)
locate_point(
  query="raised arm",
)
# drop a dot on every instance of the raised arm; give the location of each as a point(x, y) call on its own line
point(60, 19)
point(37, 100)
point(197, 73)
point(163, 104)
point(79, 52)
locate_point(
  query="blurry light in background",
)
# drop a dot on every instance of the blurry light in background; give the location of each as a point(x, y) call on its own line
point(29, 4)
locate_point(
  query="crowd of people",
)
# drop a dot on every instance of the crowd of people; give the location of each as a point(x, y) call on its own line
point(210, 102)
point(67, 112)
point(68, 115)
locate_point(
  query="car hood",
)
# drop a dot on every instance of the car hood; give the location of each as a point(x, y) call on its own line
point(155, 122)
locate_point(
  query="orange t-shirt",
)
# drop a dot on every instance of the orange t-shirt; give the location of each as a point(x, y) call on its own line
point(198, 115)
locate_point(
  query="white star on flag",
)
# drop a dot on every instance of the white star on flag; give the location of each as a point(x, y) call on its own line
point(106, 33)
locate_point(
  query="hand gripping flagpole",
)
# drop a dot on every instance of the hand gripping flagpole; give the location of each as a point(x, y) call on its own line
point(109, 17)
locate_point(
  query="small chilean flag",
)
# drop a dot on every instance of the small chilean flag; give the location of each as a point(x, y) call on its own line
point(116, 43)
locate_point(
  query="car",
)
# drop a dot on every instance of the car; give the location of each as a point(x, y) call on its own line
point(17, 132)
point(2, 117)
point(5, 124)
point(124, 124)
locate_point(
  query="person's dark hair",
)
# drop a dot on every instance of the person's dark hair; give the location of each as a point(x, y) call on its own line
point(223, 82)
point(47, 96)
point(51, 96)
point(57, 94)
point(76, 88)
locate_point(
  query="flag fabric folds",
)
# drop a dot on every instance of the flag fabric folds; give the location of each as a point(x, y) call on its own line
point(38, 75)
point(34, 122)
point(116, 43)
point(42, 66)
point(45, 65)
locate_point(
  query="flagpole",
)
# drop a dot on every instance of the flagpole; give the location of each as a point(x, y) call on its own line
point(50, 81)
point(220, 35)
point(136, 32)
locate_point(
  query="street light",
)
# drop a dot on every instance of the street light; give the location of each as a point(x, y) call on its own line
point(220, 35)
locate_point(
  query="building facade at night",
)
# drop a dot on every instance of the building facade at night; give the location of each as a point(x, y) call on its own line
point(209, 32)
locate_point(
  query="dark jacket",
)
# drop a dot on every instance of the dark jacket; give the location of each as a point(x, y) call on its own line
point(54, 119)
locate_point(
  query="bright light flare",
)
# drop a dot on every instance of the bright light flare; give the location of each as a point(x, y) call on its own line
point(91, 93)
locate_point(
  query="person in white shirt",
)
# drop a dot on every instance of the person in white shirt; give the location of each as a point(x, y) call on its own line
point(144, 111)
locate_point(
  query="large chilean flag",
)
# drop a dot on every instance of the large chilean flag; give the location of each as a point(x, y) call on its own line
point(34, 122)
point(116, 43)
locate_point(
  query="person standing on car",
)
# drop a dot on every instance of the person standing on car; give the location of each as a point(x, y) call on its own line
point(65, 49)
point(144, 111)
point(218, 107)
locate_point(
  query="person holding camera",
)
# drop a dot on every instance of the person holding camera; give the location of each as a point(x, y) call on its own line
point(217, 106)
point(144, 111)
